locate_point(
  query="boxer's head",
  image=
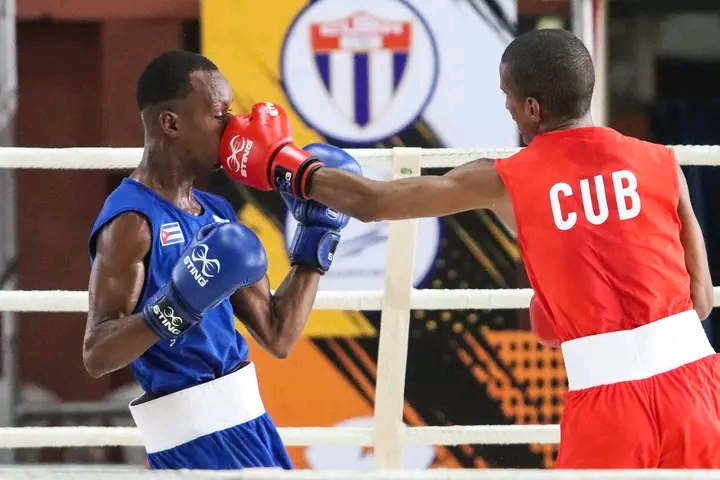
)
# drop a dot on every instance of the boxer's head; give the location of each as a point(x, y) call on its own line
point(548, 79)
point(184, 99)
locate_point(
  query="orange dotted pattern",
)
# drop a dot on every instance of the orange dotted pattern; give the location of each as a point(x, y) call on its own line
point(541, 371)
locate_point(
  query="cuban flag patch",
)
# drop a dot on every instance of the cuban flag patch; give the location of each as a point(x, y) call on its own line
point(170, 234)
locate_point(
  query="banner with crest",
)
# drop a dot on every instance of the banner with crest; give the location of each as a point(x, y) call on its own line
point(384, 73)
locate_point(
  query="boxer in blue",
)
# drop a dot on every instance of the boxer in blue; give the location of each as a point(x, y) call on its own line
point(172, 267)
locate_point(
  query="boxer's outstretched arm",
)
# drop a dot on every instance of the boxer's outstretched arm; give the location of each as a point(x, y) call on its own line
point(691, 237)
point(277, 321)
point(471, 186)
point(113, 336)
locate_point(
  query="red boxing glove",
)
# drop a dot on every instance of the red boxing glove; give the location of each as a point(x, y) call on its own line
point(257, 150)
point(542, 324)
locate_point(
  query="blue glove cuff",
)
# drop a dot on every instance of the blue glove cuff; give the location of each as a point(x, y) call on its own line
point(165, 315)
point(314, 246)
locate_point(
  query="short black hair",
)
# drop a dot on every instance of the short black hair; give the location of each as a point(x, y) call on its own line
point(167, 77)
point(554, 67)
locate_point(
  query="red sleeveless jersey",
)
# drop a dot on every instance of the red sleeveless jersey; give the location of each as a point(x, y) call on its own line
point(598, 229)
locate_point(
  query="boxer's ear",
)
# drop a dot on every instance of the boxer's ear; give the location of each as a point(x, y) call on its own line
point(532, 108)
point(170, 123)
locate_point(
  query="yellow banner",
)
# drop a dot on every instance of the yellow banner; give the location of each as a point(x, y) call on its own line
point(245, 40)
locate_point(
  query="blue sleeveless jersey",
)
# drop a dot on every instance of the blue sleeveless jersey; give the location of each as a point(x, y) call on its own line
point(211, 349)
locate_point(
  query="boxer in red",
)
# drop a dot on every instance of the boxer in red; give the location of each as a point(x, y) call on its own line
point(608, 236)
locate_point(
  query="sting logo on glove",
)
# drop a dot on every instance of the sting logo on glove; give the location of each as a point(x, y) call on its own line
point(220, 258)
point(169, 319)
point(257, 150)
point(271, 109)
point(239, 145)
point(208, 268)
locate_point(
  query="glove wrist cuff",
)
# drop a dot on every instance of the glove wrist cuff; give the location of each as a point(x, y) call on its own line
point(309, 175)
point(291, 167)
point(166, 317)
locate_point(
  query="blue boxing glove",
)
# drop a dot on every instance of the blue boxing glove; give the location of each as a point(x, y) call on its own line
point(220, 259)
point(318, 230)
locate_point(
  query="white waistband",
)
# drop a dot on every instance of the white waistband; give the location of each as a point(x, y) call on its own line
point(643, 352)
point(179, 417)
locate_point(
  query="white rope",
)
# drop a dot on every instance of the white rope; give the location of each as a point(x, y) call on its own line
point(482, 435)
point(41, 437)
point(74, 301)
point(122, 473)
point(493, 474)
point(98, 158)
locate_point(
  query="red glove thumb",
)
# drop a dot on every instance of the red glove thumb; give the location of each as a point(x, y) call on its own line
point(265, 113)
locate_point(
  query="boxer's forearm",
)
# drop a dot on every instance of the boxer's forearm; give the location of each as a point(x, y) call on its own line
point(346, 193)
point(701, 289)
point(473, 185)
point(292, 304)
point(277, 321)
point(114, 344)
point(696, 262)
point(372, 201)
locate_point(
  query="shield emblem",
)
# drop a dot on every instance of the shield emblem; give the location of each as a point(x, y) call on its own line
point(361, 61)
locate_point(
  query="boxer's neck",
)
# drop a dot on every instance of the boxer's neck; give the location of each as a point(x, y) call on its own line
point(567, 123)
point(170, 176)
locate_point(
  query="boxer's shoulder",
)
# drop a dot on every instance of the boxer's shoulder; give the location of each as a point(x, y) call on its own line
point(126, 213)
point(130, 195)
point(126, 238)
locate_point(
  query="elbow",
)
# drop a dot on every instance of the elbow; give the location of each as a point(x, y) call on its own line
point(703, 298)
point(279, 352)
point(704, 306)
point(280, 346)
point(703, 312)
point(93, 360)
point(275, 348)
point(92, 364)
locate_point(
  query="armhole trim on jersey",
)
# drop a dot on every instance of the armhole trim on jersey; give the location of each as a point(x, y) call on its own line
point(146, 260)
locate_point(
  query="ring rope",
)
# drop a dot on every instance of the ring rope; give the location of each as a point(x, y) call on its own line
point(501, 299)
point(87, 158)
point(121, 473)
point(42, 437)
point(77, 301)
